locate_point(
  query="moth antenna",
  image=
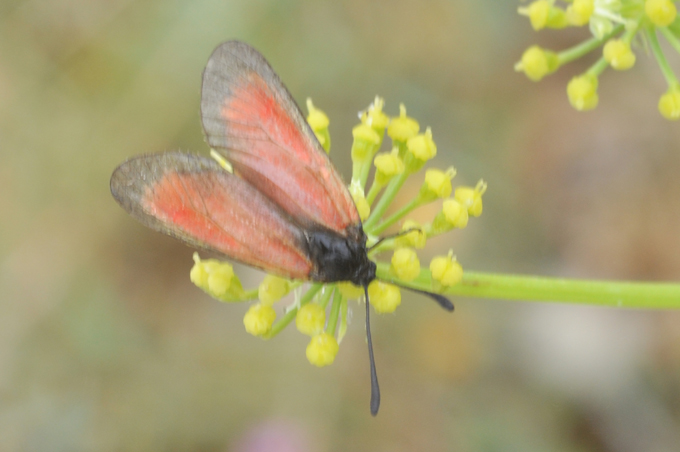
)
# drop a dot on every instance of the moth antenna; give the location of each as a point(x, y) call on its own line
point(440, 299)
point(375, 388)
point(391, 236)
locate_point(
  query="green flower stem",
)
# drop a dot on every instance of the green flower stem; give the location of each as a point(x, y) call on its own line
point(325, 297)
point(385, 200)
point(638, 295)
point(396, 216)
point(290, 315)
point(247, 295)
point(598, 68)
point(661, 58)
point(366, 168)
point(251, 294)
point(335, 313)
point(576, 52)
point(373, 192)
point(343, 319)
point(363, 177)
point(671, 38)
point(631, 31)
point(358, 169)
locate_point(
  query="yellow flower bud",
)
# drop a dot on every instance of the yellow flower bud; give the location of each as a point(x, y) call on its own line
point(402, 127)
point(414, 239)
point(359, 198)
point(405, 264)
point(324, 140)
point(219, 280)
point(536, 63)
point(384, 297)
point(661, 12)
point(669, 104)
point(543, 14)
point(216, 278)
point(272, 289)
point(579, 12)
point(437, 184)
point(422, 146)
point(199, 273)
point(455, 213)
point(582, 92)
point(310, 319)
point(375, 117)
point(349, 290)
point(365, 142)
point(322, 350)
point(316, 118)
point(446, 270)
point(318, 121)
point(471, 197)
point(618, 54)
point(259, 319)
point(388, 165)
point(537, 12)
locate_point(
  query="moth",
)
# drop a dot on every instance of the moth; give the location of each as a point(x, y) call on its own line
point(283, 208)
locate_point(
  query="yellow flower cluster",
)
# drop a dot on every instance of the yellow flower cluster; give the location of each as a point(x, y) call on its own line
point(322, 312)
point(615, 26)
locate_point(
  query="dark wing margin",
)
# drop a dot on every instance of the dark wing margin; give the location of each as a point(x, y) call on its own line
point(250, 117)
point(195, 200)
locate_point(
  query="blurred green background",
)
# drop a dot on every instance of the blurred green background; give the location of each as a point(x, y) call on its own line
point(105, 345)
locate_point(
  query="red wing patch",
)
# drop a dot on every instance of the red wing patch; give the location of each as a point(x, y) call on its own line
point(194, 199)
point(250, 117)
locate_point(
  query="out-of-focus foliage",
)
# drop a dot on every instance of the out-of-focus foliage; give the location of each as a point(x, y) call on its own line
point(106, 345)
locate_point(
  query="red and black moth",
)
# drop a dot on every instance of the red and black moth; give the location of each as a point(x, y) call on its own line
point(284, 209)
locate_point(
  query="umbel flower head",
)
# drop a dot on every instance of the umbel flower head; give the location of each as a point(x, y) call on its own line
point(618, 28)
point(321, 311)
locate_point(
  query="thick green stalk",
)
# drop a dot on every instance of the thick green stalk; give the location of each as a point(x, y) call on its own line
point(637, 295)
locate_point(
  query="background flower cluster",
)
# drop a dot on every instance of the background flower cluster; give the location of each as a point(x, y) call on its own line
point(620, 28)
